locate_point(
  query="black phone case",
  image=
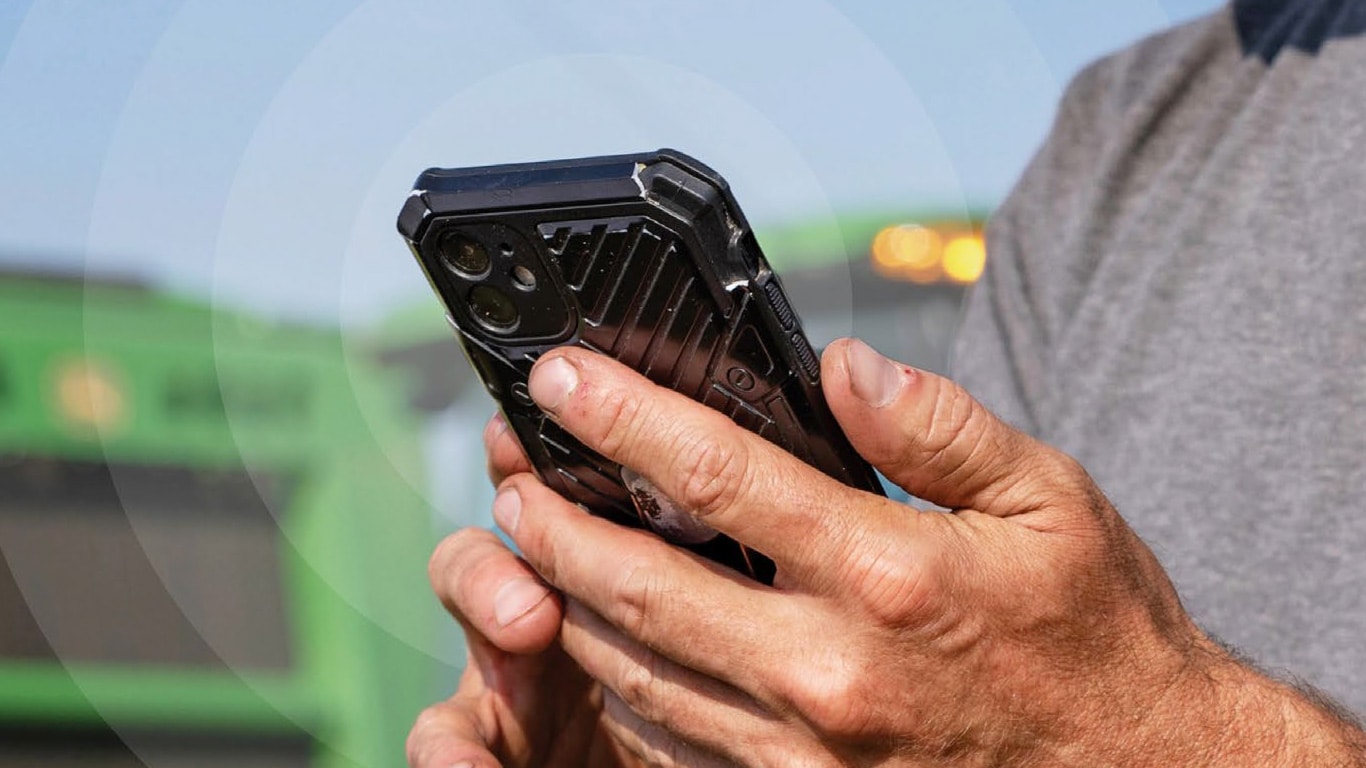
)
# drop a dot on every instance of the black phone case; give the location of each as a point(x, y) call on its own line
point(648, 259)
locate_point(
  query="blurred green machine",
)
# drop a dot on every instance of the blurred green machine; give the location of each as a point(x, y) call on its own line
point(213, 538)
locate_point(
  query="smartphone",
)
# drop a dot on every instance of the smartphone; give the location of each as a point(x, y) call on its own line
point(646, 258)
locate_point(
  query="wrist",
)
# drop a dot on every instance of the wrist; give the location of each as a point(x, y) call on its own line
point(1271, 723)
point(1168, 710)
point(1225, 712)
point(1186, 720)
point(1203, 707)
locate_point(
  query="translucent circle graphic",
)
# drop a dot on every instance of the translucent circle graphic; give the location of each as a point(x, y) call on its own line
point(256, 165)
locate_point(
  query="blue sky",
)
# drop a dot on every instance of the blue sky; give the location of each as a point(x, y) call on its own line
point(255, 153)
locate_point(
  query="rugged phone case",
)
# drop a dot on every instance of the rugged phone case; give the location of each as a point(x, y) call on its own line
point(646, 258)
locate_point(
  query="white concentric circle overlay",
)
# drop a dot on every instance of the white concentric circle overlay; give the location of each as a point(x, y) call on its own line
point(306, 223)
point(298, 218)
point(329, 215)
point(306, 216)
point(291, 212)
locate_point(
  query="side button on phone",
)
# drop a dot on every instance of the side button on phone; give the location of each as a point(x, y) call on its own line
point(806, 356)
point(781, 308)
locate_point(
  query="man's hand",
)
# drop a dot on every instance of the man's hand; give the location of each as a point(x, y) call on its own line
point(521, 701)
point(1026, 626)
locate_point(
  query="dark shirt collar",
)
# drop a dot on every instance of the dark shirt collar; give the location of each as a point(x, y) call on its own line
point(1267, 26)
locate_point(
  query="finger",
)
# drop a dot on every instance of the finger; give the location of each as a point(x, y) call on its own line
point(505, 454)
point(450, 734)
point(731, 479)
point(495, 593)
point(929, 436)
point(699, 709)
point(650, 589)
point(652, 743)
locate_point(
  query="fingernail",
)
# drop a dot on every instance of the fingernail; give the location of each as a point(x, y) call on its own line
point(507, 510)
point(494, 429)
point(515, 599)
point(498, 426)
point(874, 378)
point(552, 382)
point(462, 764)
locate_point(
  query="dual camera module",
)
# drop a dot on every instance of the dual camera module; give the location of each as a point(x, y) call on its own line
point(468, 258)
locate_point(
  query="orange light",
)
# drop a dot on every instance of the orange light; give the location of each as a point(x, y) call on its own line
point(89, 395)
point(965, 257)
point(908, 252)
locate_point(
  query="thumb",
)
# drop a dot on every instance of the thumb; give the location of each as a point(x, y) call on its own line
point(929, 436)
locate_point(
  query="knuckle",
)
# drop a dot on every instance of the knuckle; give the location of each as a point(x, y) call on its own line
point(639, 686)
point(1065, 486)
point(1069, 475)
point(895, 586)
point(956, 423)
point(714, 474)
point(833, 695)
point(618, 420)
point(636, 594)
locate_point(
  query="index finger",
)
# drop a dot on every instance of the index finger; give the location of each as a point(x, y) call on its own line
point(725, 475)
point(482, 583)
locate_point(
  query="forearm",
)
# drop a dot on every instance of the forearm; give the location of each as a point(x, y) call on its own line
point(1216, 711)
point(1228, 714)
point(1269, 723)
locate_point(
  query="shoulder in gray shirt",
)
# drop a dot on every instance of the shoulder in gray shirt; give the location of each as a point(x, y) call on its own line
point(1176, 295)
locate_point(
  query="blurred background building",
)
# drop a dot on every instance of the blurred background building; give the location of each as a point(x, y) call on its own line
point(232, 421)
point(208, 557)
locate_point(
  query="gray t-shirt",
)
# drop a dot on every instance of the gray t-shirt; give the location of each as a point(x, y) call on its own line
point(1176, 296)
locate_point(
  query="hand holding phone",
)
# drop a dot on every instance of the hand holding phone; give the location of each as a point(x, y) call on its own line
point(646, 258)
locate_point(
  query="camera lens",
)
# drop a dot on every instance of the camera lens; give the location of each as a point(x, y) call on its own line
point(493, 308)
point(463, 255)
